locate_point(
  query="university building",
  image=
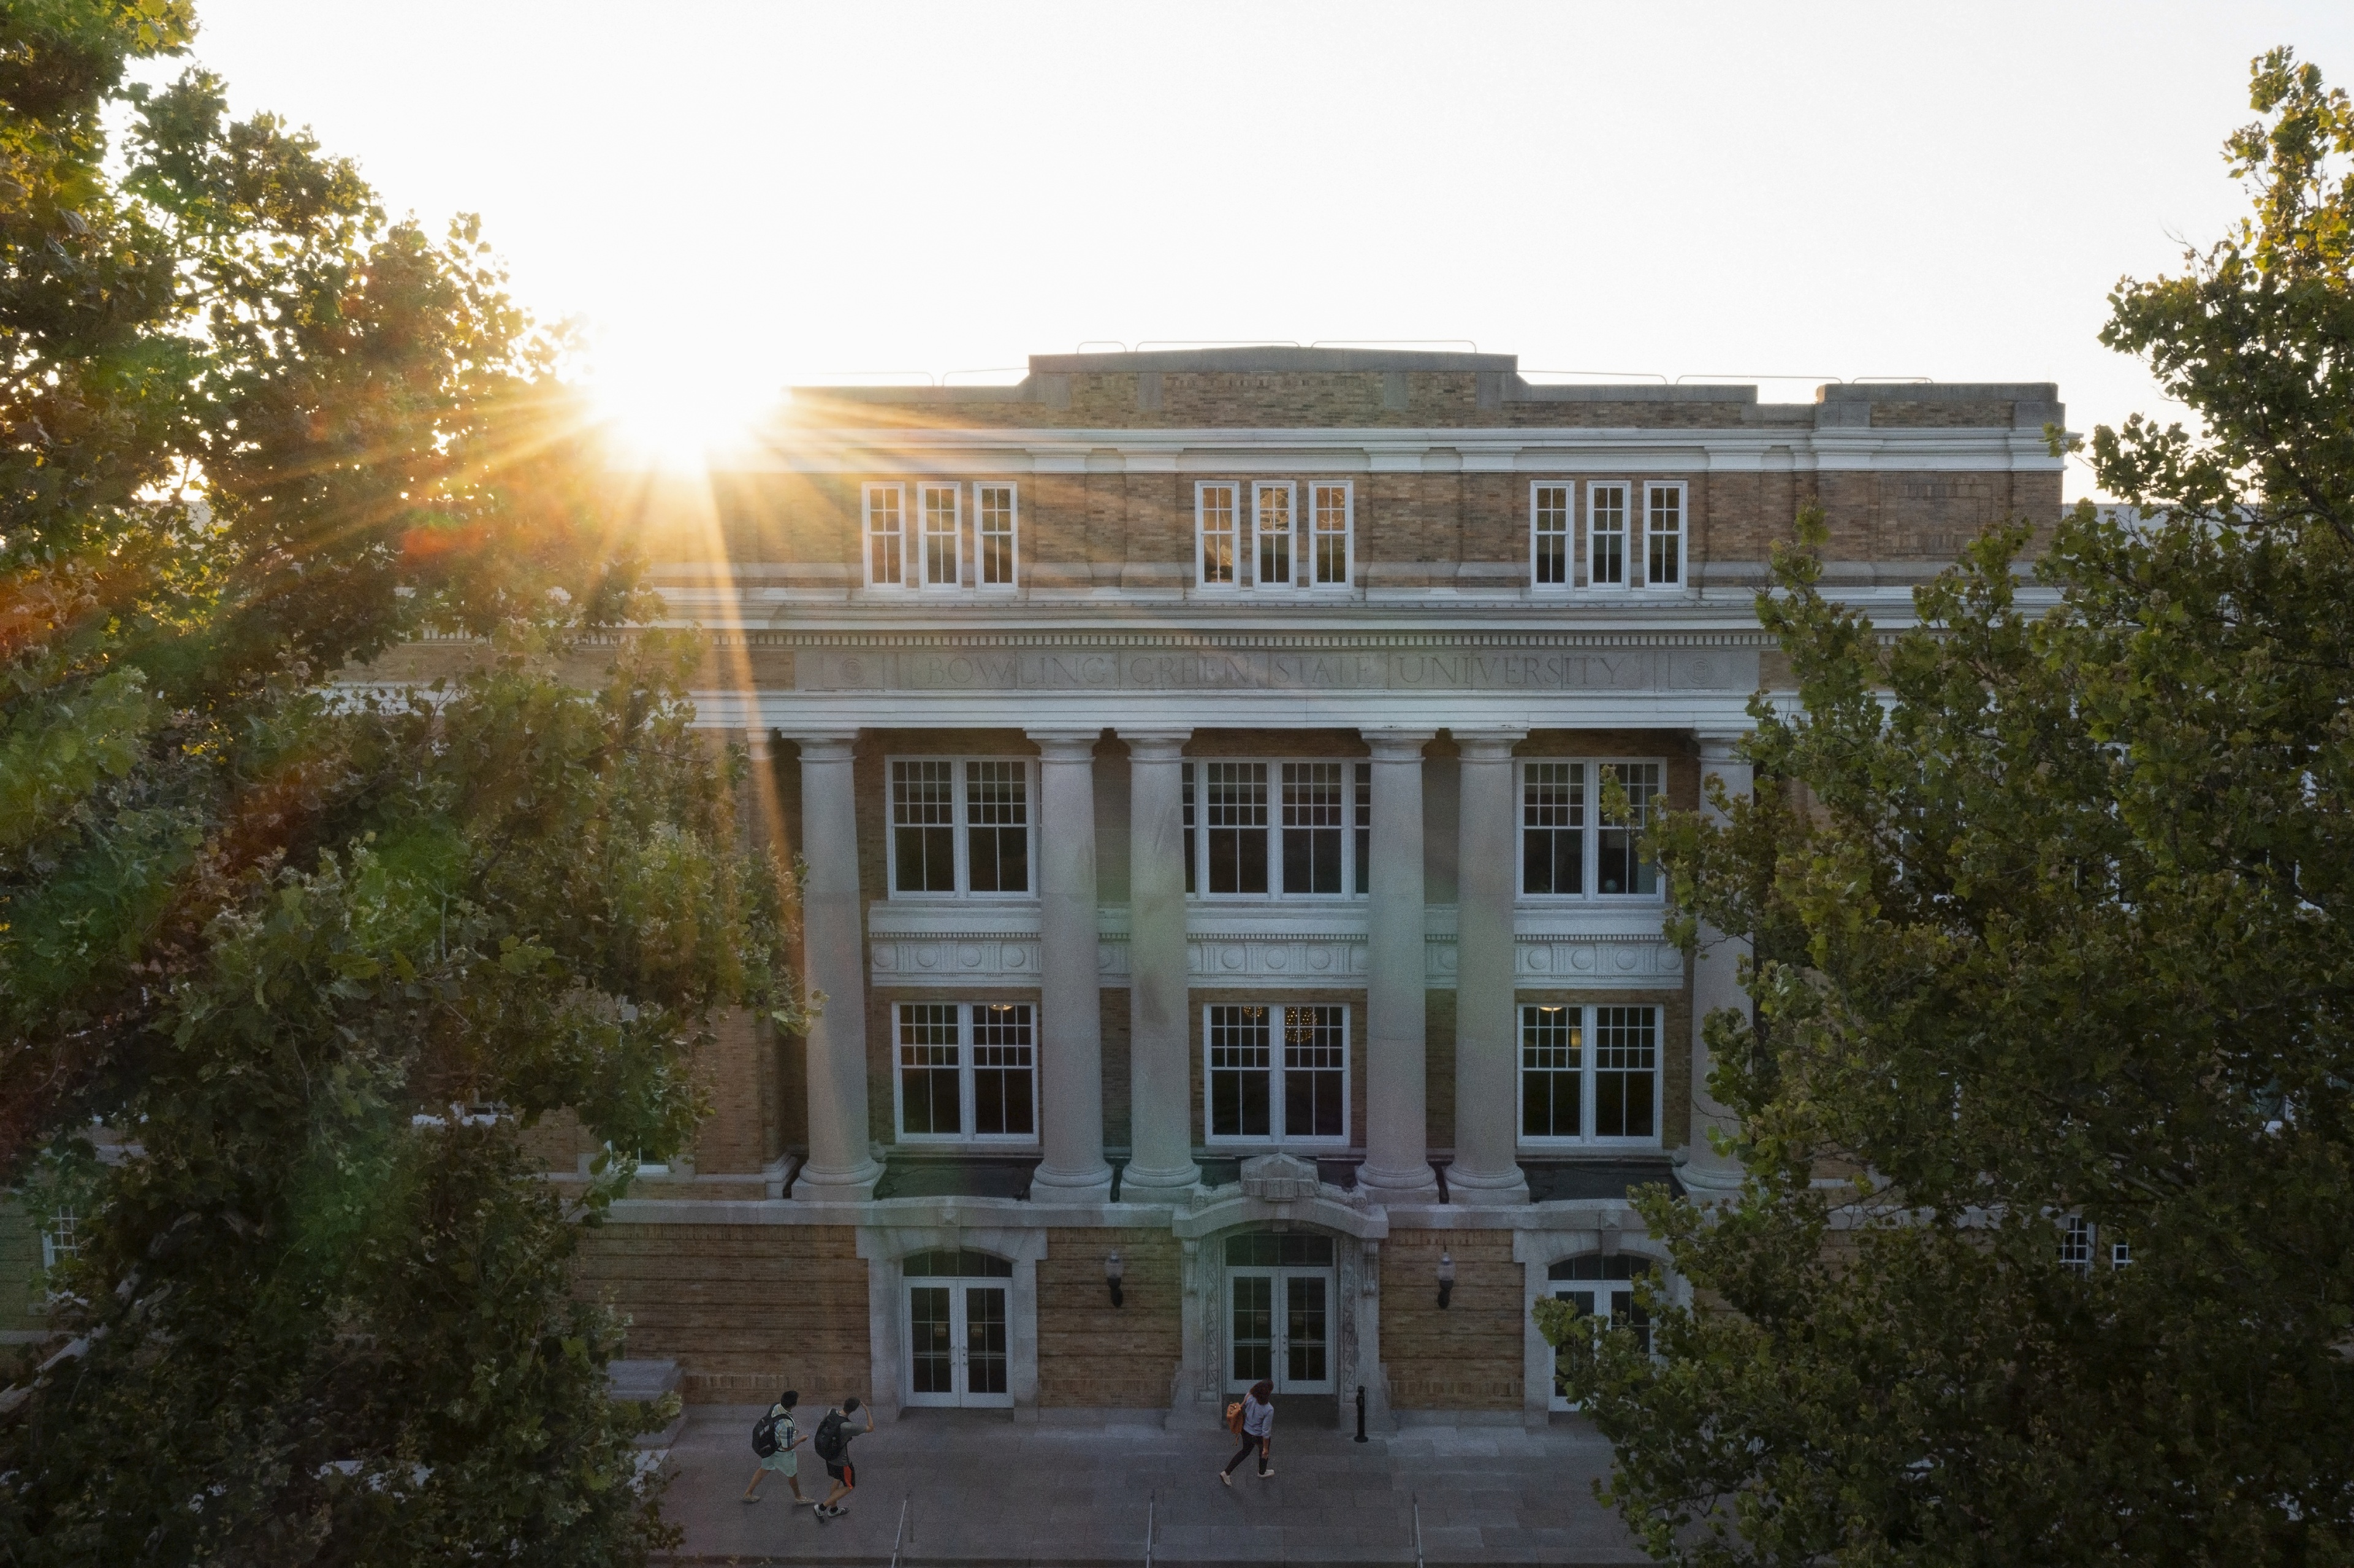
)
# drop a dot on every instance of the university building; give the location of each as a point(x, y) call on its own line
point(1218, 775)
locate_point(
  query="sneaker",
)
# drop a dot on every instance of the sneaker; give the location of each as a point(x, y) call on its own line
point(1265, 1474)
point(1228, 1477)
point(805, 1502)
point(752, 1497)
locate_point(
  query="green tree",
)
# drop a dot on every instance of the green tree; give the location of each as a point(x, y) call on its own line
point(2052, 900)
point(319, 955)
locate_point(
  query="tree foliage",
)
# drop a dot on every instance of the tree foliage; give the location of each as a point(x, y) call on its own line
point(317, 955)
point(2052, 900)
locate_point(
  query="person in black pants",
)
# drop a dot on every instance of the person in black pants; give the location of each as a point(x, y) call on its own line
point(1258, 1430)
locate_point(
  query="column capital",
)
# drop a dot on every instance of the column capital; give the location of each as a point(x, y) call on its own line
point(761, 744)
point(822, 745)
point(1065, 744)
point(1721, 746)
point(1489, 743)
point(1397, 745)
point(1156, 744)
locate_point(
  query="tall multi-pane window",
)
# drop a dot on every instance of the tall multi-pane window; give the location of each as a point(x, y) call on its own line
point(1216, 520)
point(1553, 1072)
point(62, 1241)
point(1552, 827)
point(966, 1070)
point(1663, 537)
point(1549, 534)
point(2076, 1243)
point(1293, 829)
point(1277, 1074)
point(886, 535)
point(995, 517)
point(1314, 827)
point(1236, 798)
point(943, 536)
point(1606, 535)
point(1573, 842)
point(1621, 866)
point(960, 825)
point(1626, 1072)
point(1589, 1074)
point(1328, 518)
point(1271, 528)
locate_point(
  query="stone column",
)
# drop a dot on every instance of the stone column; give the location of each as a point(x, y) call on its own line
point(1161, 1027)
point(839, 1167)
point(1070, 1025)
point(1716, 983)
point(1397, 1154)
point(1487, 1023)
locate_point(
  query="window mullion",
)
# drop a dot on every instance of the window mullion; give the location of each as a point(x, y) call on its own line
point(960, 832)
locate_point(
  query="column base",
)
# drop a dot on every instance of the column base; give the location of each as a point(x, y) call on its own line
point(855, 1185)
point(1071, 1186)
point(1487, 1189)
point(1414, 1184)
point(1713, 1183)
point(1172, 1186)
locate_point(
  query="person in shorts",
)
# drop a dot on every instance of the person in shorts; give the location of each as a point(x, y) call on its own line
point(844, 1474)
point(784, 1462)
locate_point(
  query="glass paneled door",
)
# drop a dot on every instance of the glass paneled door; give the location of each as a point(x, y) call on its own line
point(956, 1330)
point(1602, 1289)
point(1280, 1312)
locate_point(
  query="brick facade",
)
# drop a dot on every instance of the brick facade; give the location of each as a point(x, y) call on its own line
point(1092, 1355)
point(1467, 1355)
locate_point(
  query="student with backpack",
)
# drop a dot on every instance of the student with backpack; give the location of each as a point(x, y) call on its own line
point(832, 1446)
point(1253, 1421)
point(774, 1438)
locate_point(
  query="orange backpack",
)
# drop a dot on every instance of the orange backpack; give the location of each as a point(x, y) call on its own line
point(1234, 1418)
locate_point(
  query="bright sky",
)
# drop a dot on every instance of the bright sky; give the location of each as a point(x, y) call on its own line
point(735, 197)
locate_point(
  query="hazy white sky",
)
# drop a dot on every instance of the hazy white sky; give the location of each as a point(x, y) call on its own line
point(739, 196)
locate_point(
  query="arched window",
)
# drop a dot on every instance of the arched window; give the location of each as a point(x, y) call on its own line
point(945, 1264)
point(1595, 1265)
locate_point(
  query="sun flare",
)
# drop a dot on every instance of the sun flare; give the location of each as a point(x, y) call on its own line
point(679, 420)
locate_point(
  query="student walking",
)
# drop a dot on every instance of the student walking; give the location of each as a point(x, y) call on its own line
point(774, 1438)
point(1256, 1423)
point(832, 1446)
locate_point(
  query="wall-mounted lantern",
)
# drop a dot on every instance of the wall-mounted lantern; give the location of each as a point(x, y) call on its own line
point(1113, 1269)
point(1446, 1277)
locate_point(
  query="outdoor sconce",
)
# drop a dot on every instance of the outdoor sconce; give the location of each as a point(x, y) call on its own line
point(1446, 1277)
point(1113, 1269)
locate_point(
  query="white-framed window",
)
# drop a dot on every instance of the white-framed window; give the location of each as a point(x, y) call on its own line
point(1663, 536)
point(942, 522)
point(1550, 506)
point(1572, 846)
point(1606, 506)
point(886, 510)
point(1332, 510)
point(61, 1241)
point(1276, 1074)
point(1217, 518)
point(966, 1072)
point(1274, 529)
point(1589, 1074)
point(1270, 829)
point(997, 524)
point(2076, 1243)
point(960, 825)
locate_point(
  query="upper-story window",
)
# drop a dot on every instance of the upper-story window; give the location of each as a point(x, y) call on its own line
point(1548, 510)
point(1571, 846)
point(960, 825)
point(1606, 535)
point(920, 542)
point(1589, 1074)
point(1275, 1074)
point(1301, 536)
point(1278, 829)
point(966, 1072)
point(1663, 536)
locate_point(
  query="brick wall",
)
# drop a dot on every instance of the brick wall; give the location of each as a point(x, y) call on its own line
point(746, 1311)
point(1091, 1354)
point(1467, 1357)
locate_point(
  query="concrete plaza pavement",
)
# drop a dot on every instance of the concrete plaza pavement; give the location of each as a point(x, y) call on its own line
point(1076, 1489)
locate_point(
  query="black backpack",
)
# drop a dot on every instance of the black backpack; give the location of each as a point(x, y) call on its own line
point(828, 1442)
point(764, 1435)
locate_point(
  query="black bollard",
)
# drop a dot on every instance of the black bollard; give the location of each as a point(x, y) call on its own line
point(1361, 1413)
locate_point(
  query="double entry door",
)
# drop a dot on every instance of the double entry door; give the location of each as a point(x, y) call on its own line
point(956, 1324)
point(1280, 1312)
point(1602, 1292)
